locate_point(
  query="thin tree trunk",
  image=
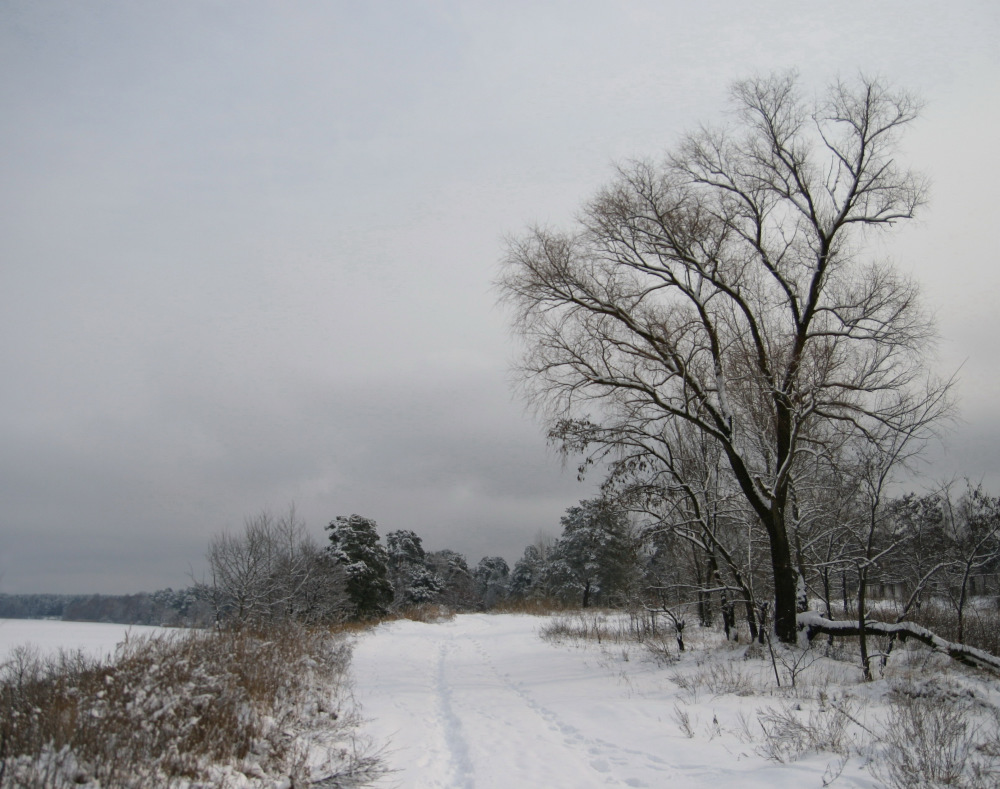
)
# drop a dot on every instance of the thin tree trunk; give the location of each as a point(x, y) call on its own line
point(751, 619)
point(862, 631)
point(961, 603)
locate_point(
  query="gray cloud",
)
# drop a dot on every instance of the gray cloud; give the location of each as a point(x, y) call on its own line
point(246, 255)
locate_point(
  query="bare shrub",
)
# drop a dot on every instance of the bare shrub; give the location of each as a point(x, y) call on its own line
point(587, 626)
point(535, 605)
point(935, 738)
point(660, 650)
point(683, 720)
point(719, 679)
point(981, 628)
point(793, 661)
point(790, 732)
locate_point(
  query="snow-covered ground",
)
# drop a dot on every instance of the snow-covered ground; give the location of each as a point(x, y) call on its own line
point(49, 636)
point(481, 701)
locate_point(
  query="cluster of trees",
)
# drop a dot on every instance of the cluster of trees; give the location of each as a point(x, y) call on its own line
point(170, 607)
point(917, 559)
point(934, 547)
point(401, 574)
point(595, 561)
point(273, 570)
point(712, 334)
point(941, 546)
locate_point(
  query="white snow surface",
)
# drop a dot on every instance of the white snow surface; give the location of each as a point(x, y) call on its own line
point(481, 701)
point(96, 639)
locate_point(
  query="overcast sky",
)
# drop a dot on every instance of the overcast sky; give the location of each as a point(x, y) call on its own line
point(246, 249)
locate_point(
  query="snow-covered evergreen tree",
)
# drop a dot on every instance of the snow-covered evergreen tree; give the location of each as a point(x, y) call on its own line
point(412, 581)
point(527, 570)
point(492, 576)
point(596, 556)
point(404, 547)
point(354, 544)
point(459, 585)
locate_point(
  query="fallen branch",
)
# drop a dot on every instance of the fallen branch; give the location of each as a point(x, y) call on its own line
point(815, 625)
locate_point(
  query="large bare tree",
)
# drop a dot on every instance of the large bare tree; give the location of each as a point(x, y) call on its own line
point(726, 288)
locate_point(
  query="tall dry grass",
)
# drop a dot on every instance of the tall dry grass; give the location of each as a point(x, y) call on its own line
point(189, 708)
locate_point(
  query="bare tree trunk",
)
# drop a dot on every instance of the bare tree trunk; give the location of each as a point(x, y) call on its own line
point(785, 586)
point(825, 577)
point(728, 617)
point(962, 596)
point(862, 631)
point(702, 580)
point(843, 591)
point(751, 620)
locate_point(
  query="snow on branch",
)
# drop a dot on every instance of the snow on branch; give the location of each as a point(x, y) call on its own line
point(815, 625)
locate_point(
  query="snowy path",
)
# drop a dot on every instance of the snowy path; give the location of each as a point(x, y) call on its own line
point(481, 702)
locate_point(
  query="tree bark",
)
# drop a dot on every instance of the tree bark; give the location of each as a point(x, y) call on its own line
point(785, 584)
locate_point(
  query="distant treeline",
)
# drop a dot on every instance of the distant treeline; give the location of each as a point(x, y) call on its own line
point(175, 608)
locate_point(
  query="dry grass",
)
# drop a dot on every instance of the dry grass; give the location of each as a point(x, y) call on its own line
point(536, 606)
point(426, 612)
point(615, 627)
point(719, 679)
point(186, 708)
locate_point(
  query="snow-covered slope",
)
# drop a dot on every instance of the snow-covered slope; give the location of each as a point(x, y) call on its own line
point(96, 639)
point(481, 701)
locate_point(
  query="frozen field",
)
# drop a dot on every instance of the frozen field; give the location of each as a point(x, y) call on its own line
point(481, 701)
point(94, 638)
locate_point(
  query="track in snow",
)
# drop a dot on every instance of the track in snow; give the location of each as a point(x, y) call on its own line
point(481, 702)
point(469, 704)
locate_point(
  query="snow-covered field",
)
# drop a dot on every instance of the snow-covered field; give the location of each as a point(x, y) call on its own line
point(481, 701)
point(49, 636)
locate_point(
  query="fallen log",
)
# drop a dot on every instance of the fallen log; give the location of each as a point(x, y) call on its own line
point(815, 625)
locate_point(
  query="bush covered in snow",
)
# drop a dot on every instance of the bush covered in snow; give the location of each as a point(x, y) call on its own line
point(236, 708)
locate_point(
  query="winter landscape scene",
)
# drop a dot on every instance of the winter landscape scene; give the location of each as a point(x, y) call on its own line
point(456, 395)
